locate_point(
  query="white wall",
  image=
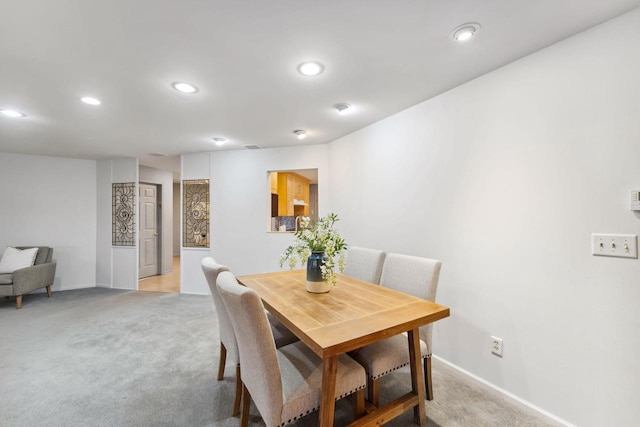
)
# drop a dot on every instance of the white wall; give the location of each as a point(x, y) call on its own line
point(240, 207)
point(504, 179)
point(176, 219)
point(165, 180)
point(241, 203)
point(51, 201)
point(117, 266)
point(103, 231)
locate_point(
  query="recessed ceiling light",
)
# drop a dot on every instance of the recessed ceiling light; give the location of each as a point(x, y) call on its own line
point(310, 68)
point(301, 134)
point(465, 32)
point(342, 108)
point(184, 87)
point(90, 100)
point(12, 113)
point(219, 141)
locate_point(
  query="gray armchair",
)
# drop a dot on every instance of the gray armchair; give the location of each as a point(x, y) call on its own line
point(28, 279)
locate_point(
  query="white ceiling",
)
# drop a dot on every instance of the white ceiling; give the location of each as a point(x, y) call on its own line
point(381, 56)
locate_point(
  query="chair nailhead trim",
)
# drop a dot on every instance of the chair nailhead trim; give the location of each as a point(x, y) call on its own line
point(316, 408)
point(428, 356)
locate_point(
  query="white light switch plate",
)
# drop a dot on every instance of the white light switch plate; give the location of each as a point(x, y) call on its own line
point(618, 245)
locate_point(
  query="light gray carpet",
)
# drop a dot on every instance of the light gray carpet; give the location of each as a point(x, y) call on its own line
point(102, 357)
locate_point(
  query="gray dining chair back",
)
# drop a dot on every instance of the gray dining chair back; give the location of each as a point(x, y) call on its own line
point(258, 358)
point(415, 276)
point(364, 264)
point(284, 383)
point(228, 341)
point(211, 271)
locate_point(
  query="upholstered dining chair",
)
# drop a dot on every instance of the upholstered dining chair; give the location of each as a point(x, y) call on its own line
point(364, 264)
point(228, 344)
point(412, 275)
point(284, 383)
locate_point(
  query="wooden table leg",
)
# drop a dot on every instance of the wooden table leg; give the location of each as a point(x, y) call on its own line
point(327, 400)
point(417, 383)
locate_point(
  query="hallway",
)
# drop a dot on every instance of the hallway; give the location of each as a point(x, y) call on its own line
point(163, 283)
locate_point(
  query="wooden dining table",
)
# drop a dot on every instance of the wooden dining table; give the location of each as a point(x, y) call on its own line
point(352, 315)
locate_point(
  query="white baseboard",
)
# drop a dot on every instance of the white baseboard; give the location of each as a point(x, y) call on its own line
point(121, 288)
point(194, 293)
point(512, 398)
point(62, 288)
point(68, 288)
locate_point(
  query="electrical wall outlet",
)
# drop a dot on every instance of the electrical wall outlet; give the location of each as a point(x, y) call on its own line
point(617, 245)
point(496, 346)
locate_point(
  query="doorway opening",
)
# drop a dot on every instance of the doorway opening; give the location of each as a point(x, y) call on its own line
point(150, 266)
point(149, 262)
point(161, 222)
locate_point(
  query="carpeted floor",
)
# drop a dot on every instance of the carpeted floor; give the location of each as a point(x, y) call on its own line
point(103, 357)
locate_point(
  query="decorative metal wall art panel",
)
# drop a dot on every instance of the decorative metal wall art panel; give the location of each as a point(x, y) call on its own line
point(123, 213)
point(195, 211)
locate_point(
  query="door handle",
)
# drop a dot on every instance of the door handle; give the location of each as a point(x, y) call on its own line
point(155, 234)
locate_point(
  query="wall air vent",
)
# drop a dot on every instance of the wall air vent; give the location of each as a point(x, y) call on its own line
point(252, 147)
point(157, 155)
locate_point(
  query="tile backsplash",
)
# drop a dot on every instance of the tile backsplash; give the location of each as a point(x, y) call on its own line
point(288, 221)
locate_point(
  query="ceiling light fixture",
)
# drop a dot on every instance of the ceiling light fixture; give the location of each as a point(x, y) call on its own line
point(342, 108)
point(301, 134)
point(184, 87)
point(465, 32)
point(90, 100)
point(310, 68)
point(219, 141)
point(12, 113)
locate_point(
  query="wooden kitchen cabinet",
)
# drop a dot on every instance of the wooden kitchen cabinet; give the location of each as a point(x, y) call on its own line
point(273, 178)
point(293, 191)
point(298, 189)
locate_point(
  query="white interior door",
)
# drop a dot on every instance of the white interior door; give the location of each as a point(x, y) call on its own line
point(149, 231)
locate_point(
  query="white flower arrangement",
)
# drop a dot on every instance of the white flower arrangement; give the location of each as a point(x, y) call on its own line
point(320, 237)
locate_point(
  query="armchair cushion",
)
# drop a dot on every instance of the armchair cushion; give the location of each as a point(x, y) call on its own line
point(14, 259)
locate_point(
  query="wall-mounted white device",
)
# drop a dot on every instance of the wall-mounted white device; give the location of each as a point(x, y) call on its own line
point(634, 200)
